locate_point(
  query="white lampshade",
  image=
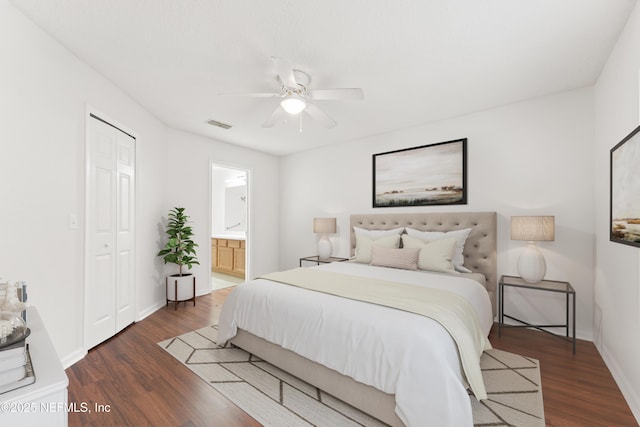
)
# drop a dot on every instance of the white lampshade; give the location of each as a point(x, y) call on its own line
point(531, 264)
point(532, 228)
point(293, 104)
point(324, 226)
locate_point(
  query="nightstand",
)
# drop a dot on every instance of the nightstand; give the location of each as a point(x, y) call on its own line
point(318, 260)
point(544, 285)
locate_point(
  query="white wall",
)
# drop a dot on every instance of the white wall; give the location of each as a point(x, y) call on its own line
point(534, 157)
point(217, 193)
point(43, 93)
point(617, 278)
point(189, 177)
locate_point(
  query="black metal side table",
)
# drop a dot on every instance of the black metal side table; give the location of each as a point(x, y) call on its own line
point(318, 260)
point(544, 285)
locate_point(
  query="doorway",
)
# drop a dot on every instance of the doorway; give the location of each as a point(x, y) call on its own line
point(229, 225)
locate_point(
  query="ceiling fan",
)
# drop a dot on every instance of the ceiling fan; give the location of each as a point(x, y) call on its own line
point(297, 97)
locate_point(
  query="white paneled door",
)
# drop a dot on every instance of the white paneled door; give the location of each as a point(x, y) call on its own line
point(109, 287)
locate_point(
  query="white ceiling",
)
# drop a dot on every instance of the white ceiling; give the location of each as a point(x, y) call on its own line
point(416, 60)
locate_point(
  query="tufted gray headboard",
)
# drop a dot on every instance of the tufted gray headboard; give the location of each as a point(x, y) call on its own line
point(480, 249)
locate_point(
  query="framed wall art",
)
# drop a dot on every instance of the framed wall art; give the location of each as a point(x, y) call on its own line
point(625, 191)
point(433, 174)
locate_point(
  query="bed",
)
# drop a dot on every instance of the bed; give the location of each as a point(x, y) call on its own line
point(388, 396)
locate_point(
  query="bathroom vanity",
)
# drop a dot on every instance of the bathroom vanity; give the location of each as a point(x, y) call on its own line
point(228, 255)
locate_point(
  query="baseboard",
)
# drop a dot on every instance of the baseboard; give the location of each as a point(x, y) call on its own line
point(580, 334)
point(79, 354)
point(629, 393)
point(150, 310)
point(72, 358)
point(200, 292)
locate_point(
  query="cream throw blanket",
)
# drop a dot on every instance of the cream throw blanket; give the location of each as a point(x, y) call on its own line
point(450, 310)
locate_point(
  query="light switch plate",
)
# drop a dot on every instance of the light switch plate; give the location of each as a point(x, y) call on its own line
point(73, 221)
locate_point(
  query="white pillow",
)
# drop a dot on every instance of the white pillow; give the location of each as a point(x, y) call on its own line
point(459, 235)
point(406, 259)
point(364, 244)
point(434, 255)
point(376, 234)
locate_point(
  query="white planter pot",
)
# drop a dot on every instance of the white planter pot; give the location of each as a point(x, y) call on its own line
point(185, 287)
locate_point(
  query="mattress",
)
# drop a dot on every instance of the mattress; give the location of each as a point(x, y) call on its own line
point(399, 353)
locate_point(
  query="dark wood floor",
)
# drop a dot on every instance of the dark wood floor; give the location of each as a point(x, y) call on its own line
point(578, 390)
point(139, 384)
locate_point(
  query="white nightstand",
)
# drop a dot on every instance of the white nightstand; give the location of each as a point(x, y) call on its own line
point(43, 403)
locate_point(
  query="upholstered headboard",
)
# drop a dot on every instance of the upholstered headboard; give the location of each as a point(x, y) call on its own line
point(480, 249)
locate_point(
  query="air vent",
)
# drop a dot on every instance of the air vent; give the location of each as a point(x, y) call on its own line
point(218, 124)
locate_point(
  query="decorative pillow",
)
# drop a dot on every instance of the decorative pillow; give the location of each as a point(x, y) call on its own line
point(376, 234)
point(434, 255)
point(364, 244)
point(406, 259)
point(459, 235)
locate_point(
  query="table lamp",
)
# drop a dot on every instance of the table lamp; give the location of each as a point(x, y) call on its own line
point(531, 264)
point(324, 226)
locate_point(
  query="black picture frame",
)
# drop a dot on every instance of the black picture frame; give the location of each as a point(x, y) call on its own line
point(624, 191)
point(428, 175)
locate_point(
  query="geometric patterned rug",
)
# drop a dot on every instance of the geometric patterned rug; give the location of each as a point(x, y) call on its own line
point(276, 398)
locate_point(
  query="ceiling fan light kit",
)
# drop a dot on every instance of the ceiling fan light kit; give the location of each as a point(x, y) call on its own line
point(293, 104)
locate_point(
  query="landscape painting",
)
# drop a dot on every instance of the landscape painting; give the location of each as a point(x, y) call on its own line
point(427, 175)
point(625, 190)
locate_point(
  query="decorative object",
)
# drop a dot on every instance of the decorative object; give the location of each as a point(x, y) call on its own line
point(324, 226)
point(13, 297)
point(179, 250)
point(13, 329)
point(433, 174)
point(13, 303)
point(624, 224)
point(274, 397)
point(531, 264)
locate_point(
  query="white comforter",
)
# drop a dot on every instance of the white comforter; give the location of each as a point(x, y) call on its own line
point(400, 353)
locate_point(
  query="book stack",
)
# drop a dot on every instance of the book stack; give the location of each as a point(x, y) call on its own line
point(15, 367)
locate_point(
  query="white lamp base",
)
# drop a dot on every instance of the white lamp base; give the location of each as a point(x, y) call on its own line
point(531, 264)
point(324, 247)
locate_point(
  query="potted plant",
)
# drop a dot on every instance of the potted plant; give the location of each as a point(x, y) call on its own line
point(180, 250)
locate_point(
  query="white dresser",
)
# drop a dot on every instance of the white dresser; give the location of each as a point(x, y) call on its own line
point(43, 403)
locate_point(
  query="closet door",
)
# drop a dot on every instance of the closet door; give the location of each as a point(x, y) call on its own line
point(125, 204)
point(110, 234)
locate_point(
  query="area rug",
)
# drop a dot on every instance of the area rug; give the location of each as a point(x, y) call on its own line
point(276, 398)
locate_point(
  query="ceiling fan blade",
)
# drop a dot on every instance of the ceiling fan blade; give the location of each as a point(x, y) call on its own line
point(252, 94)
point(345, 93)
point(285, 72)
point(274, 117)
point(320, 116)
